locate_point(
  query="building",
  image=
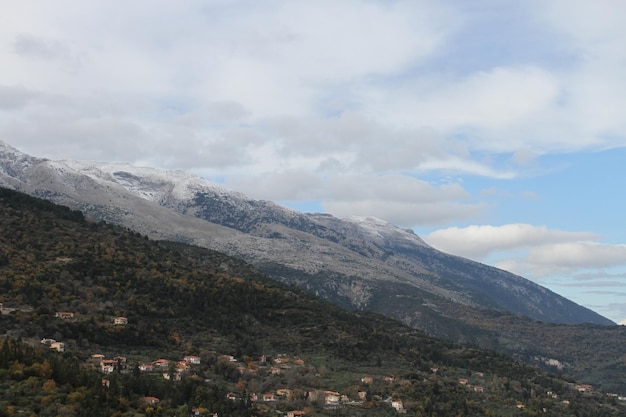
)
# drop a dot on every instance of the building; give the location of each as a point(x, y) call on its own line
point(58, 346)
point(398, 406)
point(107, 366)
point(151, 400)
point(192, 360)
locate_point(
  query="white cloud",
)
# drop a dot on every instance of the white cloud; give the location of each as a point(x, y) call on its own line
point(380, 65)
point(297, 97)
point(578, 254)
point(15, 97)
point(479, 241)
point(491, 101)
point(398, 199)
point(555, 258)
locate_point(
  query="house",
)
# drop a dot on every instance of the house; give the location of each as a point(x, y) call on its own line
point(64, 315)
point(231, 396)
point(478, 388)
point(192, 360)
point(331, 398)
point(47, 342)
point(146, 367)
point(151, 400)
point(397, 405)
point(295, 413)
point(161, 363)
point(58, 346)
point(120, 320)
point(97, 358)
point(269, 397)
point(463, 381)
point(284, 392)
point(120, 359)
point(107, 366)
point(107, 369)
point(367, 380)
point(106, 383)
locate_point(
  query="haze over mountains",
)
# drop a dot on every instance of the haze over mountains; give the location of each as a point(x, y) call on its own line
point(361, 263)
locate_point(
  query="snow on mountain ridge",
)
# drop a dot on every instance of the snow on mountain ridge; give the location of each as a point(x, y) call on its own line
point(149, 183)
point(378, 228)
point(18, 162)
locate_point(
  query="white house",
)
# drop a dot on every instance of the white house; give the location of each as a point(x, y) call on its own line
point(192, 360)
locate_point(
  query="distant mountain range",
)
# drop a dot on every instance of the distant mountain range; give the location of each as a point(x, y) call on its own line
point(358, 263)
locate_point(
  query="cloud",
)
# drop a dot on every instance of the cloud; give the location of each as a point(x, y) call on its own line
point(294, 100)
point(553, 257)
point(13, 97)
point(590, 276)
point(579, 254)
point(373, 77)
point(398, 199)
point(39, 48)
point(486, 101)
point(479, 241)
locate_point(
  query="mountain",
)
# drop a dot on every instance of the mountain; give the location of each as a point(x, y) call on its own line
point(357, 263)
point(361, 263)
point(249, 336)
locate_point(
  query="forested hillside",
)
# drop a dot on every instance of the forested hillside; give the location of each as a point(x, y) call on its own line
point(250, 337)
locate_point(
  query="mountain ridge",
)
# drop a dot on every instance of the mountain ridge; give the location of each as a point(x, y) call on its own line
point(352, 262)
point(343, 262)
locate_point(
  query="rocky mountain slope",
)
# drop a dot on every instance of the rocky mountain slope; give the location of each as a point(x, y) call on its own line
point(358, 263)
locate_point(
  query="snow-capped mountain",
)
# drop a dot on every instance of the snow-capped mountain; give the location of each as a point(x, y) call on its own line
point(362, 263)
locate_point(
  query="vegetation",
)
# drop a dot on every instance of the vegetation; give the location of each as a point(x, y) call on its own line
point(251, 336)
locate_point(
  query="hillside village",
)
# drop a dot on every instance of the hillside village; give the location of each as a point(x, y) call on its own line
point(260, 368)
point(287, 396)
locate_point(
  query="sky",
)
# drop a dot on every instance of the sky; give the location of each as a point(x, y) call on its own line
point(494, 129)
